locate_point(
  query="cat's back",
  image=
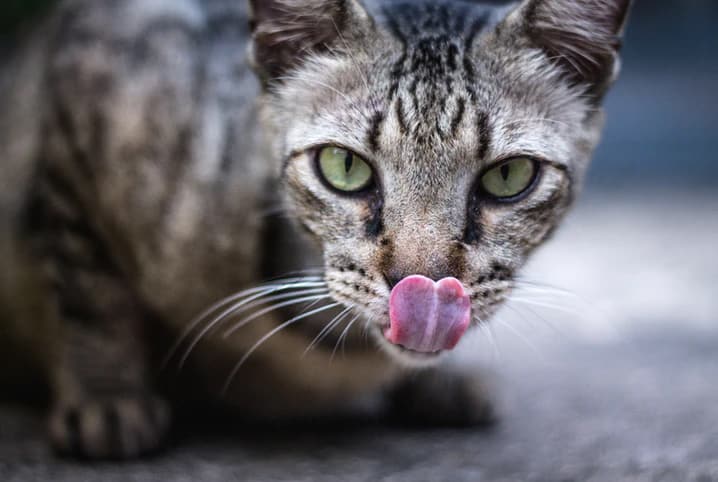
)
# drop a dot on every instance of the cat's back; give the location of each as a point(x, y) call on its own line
point(118, 81)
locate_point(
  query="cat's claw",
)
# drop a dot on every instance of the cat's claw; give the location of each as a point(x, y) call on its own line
point(118, 428)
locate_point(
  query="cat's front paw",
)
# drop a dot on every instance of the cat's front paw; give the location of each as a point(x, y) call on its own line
point(442, 398)
point(116, 428)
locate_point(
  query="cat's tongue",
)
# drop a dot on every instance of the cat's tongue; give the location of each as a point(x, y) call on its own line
point(428, 316)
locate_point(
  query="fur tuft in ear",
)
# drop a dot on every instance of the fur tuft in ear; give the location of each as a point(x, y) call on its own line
point(583, 36)
point(286, 31)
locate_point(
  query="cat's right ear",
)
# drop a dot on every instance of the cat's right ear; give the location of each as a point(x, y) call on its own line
point(583, 37)
point(286, 32)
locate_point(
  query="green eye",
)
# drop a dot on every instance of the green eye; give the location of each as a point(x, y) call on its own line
point(344, 170)
point(510, 178)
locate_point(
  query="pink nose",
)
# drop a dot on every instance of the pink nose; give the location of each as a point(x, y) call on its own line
point(428, 316)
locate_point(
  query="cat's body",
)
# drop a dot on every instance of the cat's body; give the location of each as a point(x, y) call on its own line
point(146, 163)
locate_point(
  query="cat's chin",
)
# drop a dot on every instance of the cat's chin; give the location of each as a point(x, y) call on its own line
point(405, 356)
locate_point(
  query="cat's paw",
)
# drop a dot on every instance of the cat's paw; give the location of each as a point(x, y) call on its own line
point(442, 398)
point(118, 428)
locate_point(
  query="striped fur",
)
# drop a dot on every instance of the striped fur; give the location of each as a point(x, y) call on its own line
point(143, 184)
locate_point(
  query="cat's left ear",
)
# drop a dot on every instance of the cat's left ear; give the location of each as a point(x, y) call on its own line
point(583, 37)
point(286, 32)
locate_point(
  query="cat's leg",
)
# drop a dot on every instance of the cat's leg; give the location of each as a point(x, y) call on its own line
point(104, 403)
point(441, 397)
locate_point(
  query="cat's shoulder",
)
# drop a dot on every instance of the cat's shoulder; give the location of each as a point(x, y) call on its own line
point(123, 20)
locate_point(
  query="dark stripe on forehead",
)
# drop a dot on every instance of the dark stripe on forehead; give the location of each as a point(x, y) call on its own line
point(483, 134)
point(397, 70)
point(469, 70)
point(374, 132)
point(458, 116)
point(401, 116)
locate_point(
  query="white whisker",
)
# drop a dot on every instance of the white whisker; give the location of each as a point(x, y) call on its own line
point(283, 287)
point(269, 309)
point(343, 335)
point(327, 329)
point(288, 283)
point(543, 304)
point(241, 307)
point(491, 337)
point(520, 337)
point(267, 337)
point(535, 314)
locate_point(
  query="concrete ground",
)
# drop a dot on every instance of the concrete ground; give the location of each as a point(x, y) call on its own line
point(616, 380)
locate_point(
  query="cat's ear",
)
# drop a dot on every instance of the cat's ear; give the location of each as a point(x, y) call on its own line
point(582, 36)
point(285, 32)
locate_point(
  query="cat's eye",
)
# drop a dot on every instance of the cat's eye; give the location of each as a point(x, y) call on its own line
point(510, 179)
point(344, 170)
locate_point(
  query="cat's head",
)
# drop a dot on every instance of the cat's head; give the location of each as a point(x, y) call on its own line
point(432, 140)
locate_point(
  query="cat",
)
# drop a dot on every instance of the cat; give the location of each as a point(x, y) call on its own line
point(370, 175)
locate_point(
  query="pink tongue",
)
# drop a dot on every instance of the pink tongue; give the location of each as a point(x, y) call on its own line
point(428, 316)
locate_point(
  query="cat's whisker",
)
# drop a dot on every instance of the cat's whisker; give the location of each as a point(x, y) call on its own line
point(543, 304)
point(520, 336)
point(253, 293)
point(343, 335)
point(328, 328)
point(244, 306)
point(308, 274)
point(532, 312)
point(545, 292)
point(365, 329)
point(282, 296)
point(230, 331)
point(233, 309)
point(490, 336)
point(236, 310)
point(266, 337)
point(524, 283)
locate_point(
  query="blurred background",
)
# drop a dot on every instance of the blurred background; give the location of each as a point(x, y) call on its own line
point(606, 368)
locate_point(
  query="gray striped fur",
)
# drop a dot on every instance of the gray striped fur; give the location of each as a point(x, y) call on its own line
point(145, 144)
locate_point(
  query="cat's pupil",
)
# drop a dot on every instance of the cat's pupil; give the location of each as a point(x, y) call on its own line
point(348, 162)
point(505, 171)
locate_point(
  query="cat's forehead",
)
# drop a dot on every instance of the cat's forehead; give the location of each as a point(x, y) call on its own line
point(431, 95)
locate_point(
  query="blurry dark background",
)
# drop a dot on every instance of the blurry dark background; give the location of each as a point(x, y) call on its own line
point(662, 115)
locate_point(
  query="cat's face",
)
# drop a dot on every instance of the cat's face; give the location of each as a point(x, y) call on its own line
point(435, 139)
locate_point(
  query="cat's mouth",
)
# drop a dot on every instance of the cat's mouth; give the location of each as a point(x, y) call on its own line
point(427, 318)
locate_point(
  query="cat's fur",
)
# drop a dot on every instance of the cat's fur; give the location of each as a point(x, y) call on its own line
point(143, 164)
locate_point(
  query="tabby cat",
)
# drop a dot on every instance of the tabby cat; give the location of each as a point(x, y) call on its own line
point(370, 175)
